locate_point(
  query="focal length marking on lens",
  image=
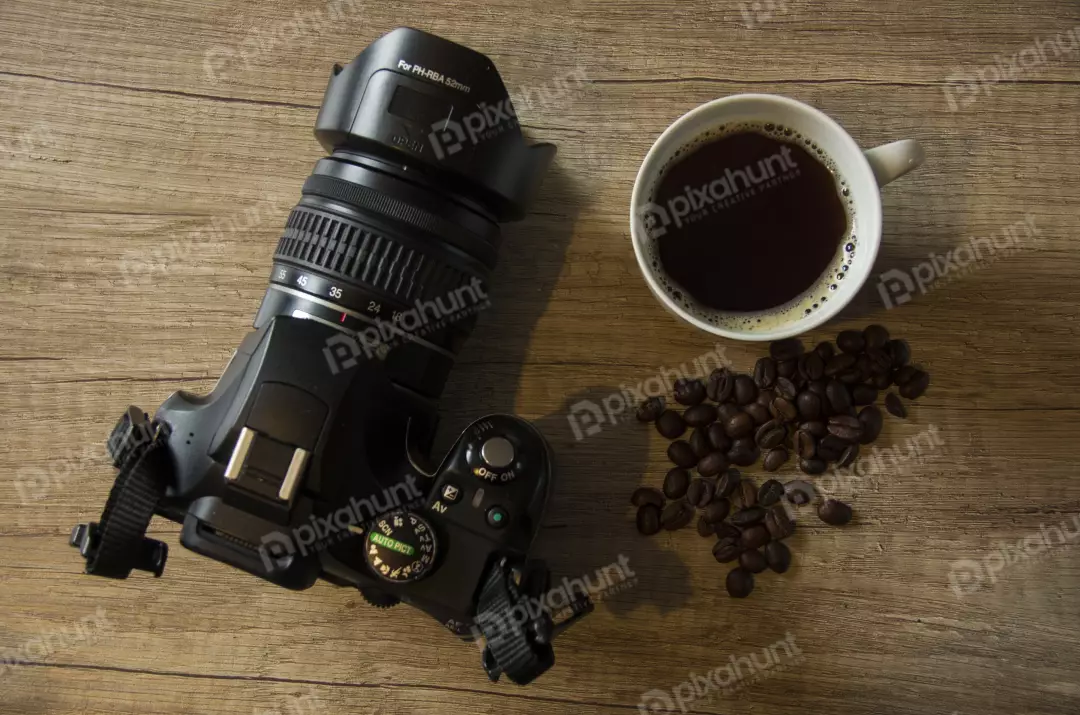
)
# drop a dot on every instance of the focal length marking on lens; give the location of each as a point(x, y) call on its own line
point(352, 328)
point(314, 284)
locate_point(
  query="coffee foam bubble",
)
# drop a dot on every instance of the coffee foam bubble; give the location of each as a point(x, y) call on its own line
point(811, 300)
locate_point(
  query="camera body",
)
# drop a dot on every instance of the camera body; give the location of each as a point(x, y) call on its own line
point(288, 471)
point(310, 458)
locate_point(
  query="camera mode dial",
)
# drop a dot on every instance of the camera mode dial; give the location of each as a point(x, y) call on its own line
point(400, 547)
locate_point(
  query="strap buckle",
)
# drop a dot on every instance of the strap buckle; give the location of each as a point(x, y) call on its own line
point(118, 543)
point(134, 433)
point(150, 557)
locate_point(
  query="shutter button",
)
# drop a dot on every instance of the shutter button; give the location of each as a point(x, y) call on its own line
point(497, 452)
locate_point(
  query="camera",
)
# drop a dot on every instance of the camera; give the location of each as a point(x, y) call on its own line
point(311, 457)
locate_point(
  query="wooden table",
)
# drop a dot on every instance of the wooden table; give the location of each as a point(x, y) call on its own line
point(133, 137)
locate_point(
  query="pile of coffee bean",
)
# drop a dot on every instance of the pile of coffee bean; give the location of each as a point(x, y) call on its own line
point(815, 406)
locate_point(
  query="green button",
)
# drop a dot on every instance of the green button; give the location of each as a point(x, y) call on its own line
point(497, 517)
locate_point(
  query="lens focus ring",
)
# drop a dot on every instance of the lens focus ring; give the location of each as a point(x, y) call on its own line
point(341, 247)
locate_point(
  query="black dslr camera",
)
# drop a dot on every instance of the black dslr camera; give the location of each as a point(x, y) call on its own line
point(309, 459)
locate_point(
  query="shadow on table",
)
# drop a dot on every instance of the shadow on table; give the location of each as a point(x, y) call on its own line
point(902, 273)
point(591, 533)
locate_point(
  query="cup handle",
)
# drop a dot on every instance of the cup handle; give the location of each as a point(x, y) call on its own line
point(891, 161)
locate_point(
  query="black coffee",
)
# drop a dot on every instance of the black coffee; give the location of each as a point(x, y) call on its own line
point(748, 222)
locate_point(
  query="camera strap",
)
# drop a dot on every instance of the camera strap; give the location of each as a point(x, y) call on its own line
point(117, 544)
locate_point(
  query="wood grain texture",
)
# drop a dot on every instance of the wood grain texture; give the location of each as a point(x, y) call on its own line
point(149, 153)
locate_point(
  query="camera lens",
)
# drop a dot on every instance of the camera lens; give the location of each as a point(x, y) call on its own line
point(372, 247)
point(397, 231)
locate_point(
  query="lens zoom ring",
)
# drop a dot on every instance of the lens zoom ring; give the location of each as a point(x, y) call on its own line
point(371, 200)
point(345, 248)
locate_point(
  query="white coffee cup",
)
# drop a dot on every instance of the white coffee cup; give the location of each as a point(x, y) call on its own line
point(864, 173)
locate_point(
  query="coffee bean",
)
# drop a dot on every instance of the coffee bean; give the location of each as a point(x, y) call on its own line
point(848, 456)
point(699, 442)
point(745, 390)
point(682, 454)
point(747, 494)
point(846, 427)
point(878, 362)
point(726, 411)
point(688, 391)
point(720, 386)
point(914, 388)
point(772, 424)
point(850, 341)
point(786, 388)
point(725, 530)
point(862, 364)
point(872, 421)
point(902, 375)
point(676, 483)
point(805, 444)
point(800, 367)
point(779, 524)
point(778, 556)
point(770, 492)
point(648, 519)
point(743, 452)
point(700, 493)
point(809, 405)
point(728, 483)
point(834, 512)
point(831, 447)
point(717, 510)
point(671, 424)
point(753, 561)
point(825, 350)
point(783, 408)
point(895, 406)
point(765, 373)
point(787, 369)
point(863, 395)
point(694, 491)
point(881, 382)
point(839, 397)
point(727, 549)
point(647, 495)
point(755, 537)
point(900, 352)
point(875, 336)
point(760, 413)
point(800, 492)
point(764, 398)
point(817, 428)
point(700, 415)
point(739, 583)
point(786, 349)
point(813, 366)
point(676, 515)
point(838, 364)
point(748, 517)
point(740, 425)
point(812, 466)
point(718, 439)
point(771, 434)
point(712, 464)
point(650, 409)
point(851, 377)
point(774, 459)
point(704, 528)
